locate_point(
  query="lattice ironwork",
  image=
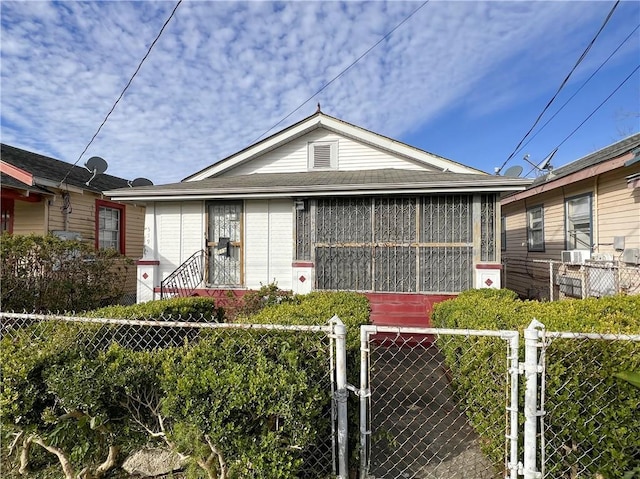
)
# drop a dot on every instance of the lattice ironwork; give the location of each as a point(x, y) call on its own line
point(446, 219)
point(395, 269)
point(393, 244)
point(446, 269)
point(225, 242)
point(395, 220)
point(303, 230)
point(488, 227)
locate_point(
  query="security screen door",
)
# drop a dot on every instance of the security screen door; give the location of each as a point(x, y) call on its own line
point(224, 243)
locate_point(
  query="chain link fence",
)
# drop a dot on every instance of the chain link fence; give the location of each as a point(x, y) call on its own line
point(304, 353)
point(589, 414)
point(551, 280)
point(425, 421)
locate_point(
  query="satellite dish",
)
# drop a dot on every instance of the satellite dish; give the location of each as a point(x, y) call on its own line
point(513, 172)
point(95, 165)
point(545, 165)
point(141, 182)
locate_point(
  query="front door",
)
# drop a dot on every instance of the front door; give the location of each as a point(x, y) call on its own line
point(224, 243)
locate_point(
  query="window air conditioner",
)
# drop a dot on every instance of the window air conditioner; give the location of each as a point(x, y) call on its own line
point(576, 256)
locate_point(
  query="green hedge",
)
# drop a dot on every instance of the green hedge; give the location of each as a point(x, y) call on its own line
point(176, 309)
point(317, 308)
point(592, 421)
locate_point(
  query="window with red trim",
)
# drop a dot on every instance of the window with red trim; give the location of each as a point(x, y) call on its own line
point(110, 221)
point(7, 206)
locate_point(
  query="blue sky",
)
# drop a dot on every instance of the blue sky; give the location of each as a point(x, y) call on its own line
point(463, 80)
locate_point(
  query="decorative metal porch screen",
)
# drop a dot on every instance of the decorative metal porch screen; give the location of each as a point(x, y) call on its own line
point(394, 244)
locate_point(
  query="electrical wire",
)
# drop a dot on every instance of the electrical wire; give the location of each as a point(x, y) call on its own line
point(598, 107)
point(564, 82)
point(387, 35)
point(579, 89)
point(124, 90)
point(576, 92)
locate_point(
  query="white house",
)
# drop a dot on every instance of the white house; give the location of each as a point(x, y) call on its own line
point(325, 205)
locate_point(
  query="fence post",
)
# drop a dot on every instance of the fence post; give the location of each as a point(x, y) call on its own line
point(531, 371)
point(365, 393)
point(340, 335)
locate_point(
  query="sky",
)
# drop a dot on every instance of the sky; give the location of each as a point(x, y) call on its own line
point(465, 80)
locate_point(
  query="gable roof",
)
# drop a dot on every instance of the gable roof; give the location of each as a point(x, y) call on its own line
point(321, 120)
point(607, 153)
point(321, 183)
point(49, 172)
point(614, 156)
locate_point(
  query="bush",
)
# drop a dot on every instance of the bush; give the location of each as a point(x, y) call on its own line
point(317, 308)
point(174, 309)
point(45, 273)
point(58, 395)
point(580, 381)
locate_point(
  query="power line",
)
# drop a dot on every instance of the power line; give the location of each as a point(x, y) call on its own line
point(595, 110)
point(564, 82)
point(387, 35)
point(599, 106)
point(124, 90)
point(578, 90)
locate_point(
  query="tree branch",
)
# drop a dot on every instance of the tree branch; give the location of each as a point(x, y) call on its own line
point(109, 463)
point(67, 469)
point(215, 450)
point(24, 455)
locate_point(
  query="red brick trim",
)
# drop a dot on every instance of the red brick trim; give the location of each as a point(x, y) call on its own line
point(148, 262)
point(302, 264)
point(488, 266)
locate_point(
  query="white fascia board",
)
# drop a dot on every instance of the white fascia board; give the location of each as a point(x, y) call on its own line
point(56, 184)
point(290, 193)
point(257, 149)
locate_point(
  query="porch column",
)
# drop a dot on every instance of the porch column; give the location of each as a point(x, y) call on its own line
point(147, 277)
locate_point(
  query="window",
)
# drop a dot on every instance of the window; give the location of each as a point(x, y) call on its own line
point(7, 215)
point(503, 233)
point(535, 228)
point(110, 226)
point(323, 155)
point(578, 222)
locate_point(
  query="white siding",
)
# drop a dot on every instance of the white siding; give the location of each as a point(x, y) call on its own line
point(268, 243)
point(180, 233)
point(352, 155)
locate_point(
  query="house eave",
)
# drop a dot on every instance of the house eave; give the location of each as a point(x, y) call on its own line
point(292, 192)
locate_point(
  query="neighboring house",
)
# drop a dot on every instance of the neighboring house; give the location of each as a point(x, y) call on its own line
point(36, 200)
point(576, 231)
point(325, 205)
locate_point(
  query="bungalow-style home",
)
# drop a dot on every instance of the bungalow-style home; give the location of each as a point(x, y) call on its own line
point(575, 232)
point(42, 195)
point(325, 205)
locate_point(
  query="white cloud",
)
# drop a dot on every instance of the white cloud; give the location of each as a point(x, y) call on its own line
point(225, 72)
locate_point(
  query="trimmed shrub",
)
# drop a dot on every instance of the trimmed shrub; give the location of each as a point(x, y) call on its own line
point(317, 308)
point(45, 273)
point(173, 309)
point(580, 376)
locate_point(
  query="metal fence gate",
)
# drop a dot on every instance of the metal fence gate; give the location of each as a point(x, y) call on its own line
point(554, 408)
point(415, 417)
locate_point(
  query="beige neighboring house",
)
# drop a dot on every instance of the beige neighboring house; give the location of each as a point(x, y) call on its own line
point(36, 200)
point(575, 232)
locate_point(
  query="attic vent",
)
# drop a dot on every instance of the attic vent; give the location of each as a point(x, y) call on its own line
point(323, 155)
